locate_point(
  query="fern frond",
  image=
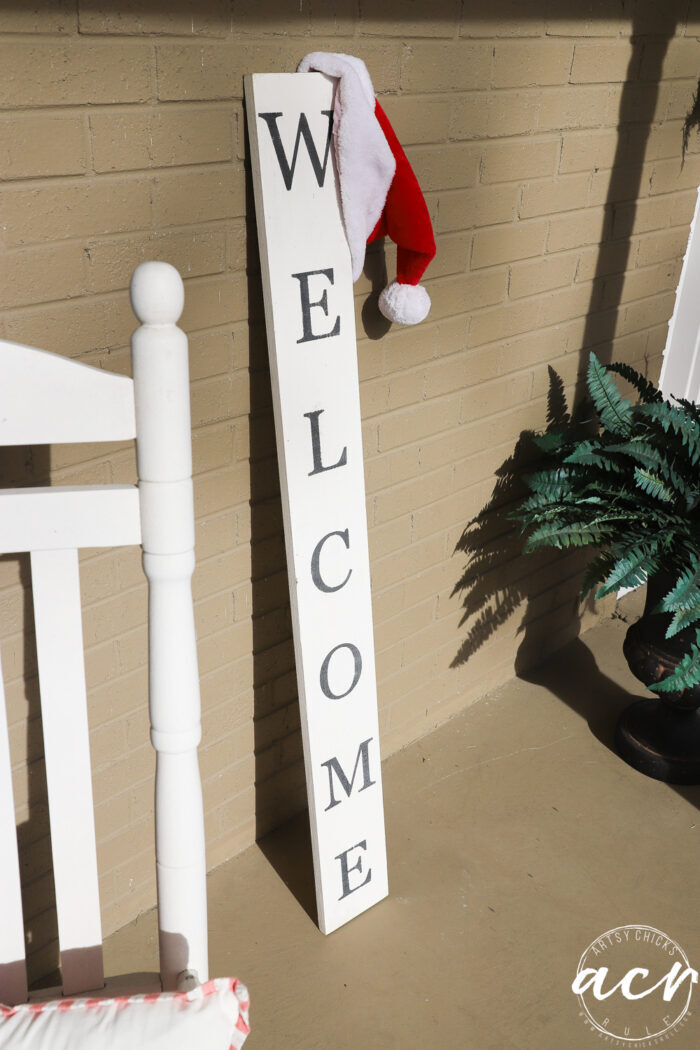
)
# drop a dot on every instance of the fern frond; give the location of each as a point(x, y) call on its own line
point(653, 485)
point(673, 420)
point(551, 440)
point(542, 502)
point(685, 594)
point(588, 453)
point(682, 619)
point(641, 450)
point(631, 570)
point(554, 482)
point(614, 412)
point(686, 674)
point(573, 534)
point(646, 389)
point(690, 406)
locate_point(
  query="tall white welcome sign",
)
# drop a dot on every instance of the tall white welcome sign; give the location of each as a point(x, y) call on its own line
point(307, 283)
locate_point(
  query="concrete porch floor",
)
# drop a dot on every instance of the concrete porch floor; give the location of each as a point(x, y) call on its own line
point(515, 838)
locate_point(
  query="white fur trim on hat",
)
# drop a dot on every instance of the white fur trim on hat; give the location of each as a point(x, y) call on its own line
point(404, 303)
point(363, 156)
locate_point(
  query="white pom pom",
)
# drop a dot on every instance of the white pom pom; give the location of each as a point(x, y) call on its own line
point(157, 293)
point(404, 303)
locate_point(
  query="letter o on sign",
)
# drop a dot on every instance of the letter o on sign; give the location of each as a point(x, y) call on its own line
point(357, 660)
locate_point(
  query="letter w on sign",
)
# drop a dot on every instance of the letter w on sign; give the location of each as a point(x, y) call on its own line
point(303, 131)
point(309, 311)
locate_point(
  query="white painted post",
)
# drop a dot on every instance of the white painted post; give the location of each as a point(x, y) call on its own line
point(164, 460)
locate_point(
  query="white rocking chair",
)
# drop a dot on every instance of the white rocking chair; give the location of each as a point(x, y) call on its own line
point(46, 399)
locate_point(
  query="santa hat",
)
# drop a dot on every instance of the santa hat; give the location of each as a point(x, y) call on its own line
point(379, 192)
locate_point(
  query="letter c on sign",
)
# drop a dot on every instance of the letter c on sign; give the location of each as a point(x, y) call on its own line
point(356, 675)
point(316, 558)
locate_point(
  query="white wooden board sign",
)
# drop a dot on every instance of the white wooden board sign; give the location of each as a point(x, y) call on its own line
point(310, 319)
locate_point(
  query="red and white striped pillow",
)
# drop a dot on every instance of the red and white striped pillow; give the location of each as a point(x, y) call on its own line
point(213, 1016)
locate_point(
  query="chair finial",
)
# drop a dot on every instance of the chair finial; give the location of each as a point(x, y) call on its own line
point(157, 293)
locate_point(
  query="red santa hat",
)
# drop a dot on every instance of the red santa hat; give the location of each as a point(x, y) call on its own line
point(379, 192)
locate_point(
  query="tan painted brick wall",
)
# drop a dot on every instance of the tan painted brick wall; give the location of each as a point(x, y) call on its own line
point(549, 150)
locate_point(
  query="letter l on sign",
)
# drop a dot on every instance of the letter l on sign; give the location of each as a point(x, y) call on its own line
point(310, 318)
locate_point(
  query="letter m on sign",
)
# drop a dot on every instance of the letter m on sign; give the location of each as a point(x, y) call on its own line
point(303, 132)
point(334, 766)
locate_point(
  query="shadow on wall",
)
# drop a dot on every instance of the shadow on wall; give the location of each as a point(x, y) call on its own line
point(498, 579)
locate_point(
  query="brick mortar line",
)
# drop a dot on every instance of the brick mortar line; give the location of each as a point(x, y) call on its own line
point(230, 768)
point(241, 661)
point(378, 563)
point(116, 295)
point(156, 169)
point(232, 731)
point(575, 285)
point(128, 175)
point(487, 644)
point(392, 413)
point(247, 723)
point(394, 338)
point(533, 138)
point(459, 609)
point(420, 689)
point(443, 530)
point(560, 176)
point(258, 652)
point(550, 328)
point(200, 381)
point(395, 413)
point(140, 822)
point(453, 431)
point(421, 476)
point(445, 649)
point(155, 36)
point(155, 105)
point(410, 368)
point(122, 758)
point(206, 225)
point(426, 570)
point(424, 476)
point(225, 835)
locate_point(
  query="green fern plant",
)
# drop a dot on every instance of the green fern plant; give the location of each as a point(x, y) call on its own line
point(625, 480)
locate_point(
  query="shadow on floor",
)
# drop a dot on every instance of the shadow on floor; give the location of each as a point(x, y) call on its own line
point(288, 850)
point(574, 676)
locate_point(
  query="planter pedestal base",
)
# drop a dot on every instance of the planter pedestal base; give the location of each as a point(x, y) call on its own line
point(660, 736)
point(661, 742)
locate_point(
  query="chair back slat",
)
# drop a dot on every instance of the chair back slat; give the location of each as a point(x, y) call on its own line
point(59, 643)
point(13, 970)
point(63, 517)
point(70, 401)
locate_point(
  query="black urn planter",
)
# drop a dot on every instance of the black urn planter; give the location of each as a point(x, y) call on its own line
point(660, 736)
